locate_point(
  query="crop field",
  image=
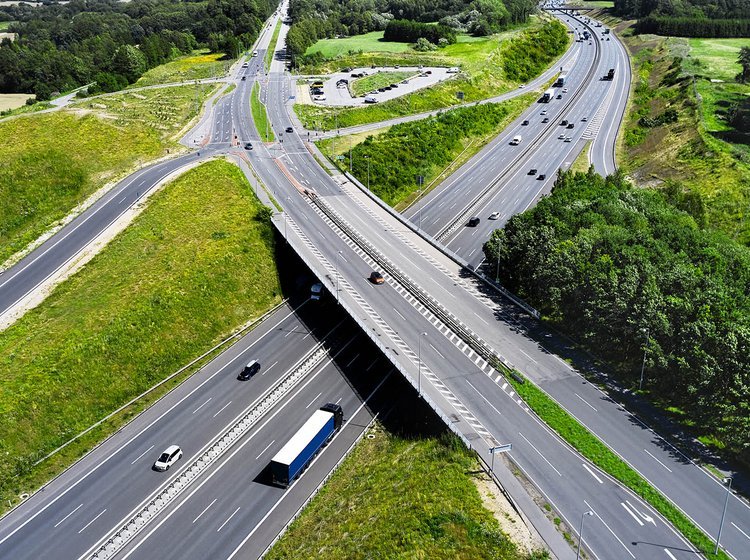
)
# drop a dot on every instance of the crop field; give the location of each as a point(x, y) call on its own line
point(197, 66)
point(13, 100)
point(369, 42)
point(201, 249)
point(364, 85)
point(396, 497)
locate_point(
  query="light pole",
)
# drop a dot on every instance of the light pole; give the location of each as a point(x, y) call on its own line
point(368, 172)
point(338, 254)
point(643, 364)
point(580, 532)
point(419, 361)
point(350, 153)
point(728, 482)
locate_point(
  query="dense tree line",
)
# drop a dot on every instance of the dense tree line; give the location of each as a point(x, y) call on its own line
point(62, 46)
point(319, 19)
point(689, 18)
point(693, 27)
point(407, 31)
point(624, 271)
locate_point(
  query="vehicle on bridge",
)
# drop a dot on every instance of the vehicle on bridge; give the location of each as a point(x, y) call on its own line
point(547, 96)
point(299, 451)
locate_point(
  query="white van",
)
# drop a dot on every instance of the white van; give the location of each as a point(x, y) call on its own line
point(516, 141)
point(255, 53)
point(371, 99)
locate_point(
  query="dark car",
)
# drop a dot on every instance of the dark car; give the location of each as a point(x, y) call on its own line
point(542, 177)
point(428, 72)
point(387, 88)
point(376, 277)
point(394, 86)
point(545, 120)
point(532, 171)
point(559, 95)
point(571, 125)
point(563, 122)
point(381, 89)
point(249, 370)
point(248, 145)
point(289, 129)
point(473, 222)
point(244, 78)
point(524, 123)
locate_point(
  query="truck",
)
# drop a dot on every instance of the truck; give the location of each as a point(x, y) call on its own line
point(302, 448)
point(610, 74)
point(547, 96)
point(316, 291)
point(561, 80)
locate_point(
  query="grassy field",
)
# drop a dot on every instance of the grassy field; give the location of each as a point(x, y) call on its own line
point(482, 76)
point(272, 46)
point(369, 42)
point(128, 319)
point(691, 152)
point(399, 498)
point(4, 25)
point(365, 85)
point(197, 66)
point(260, 117)
point(717, 57)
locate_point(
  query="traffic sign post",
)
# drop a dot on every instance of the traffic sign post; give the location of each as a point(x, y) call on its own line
point(498, 449)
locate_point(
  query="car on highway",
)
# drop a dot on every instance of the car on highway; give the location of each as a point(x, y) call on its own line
point(564, 122)
point(244, 78)
point(248, 145)
point(565, 90)
point(524, 123)
point(376, 277)
point(559, 95)
point(289, 129)
point(532, 171)
point(585, 119)
point(473, 221)
point(568, 139)
point(494, 216)
point(252, 367)
point(571, 125)
point(545, 120)
point(561, 137)
point(541, 177)
point(544, 112)
point(169, 457)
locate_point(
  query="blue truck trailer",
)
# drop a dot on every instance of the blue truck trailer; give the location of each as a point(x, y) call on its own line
point(300, 450)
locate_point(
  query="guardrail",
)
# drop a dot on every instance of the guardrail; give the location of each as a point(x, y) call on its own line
point(143, 514)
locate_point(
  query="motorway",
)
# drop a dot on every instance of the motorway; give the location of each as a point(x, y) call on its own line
point(476, 401)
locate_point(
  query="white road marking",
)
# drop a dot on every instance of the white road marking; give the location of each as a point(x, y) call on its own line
point(269, 367)
point(633, 515)
point(670, 554)
point(646, 518)
point(586, 402)
point(525, 354)
point(436, 350)
point(265, 449)
point(370, 366)
point(480, 318)
point(205, 510)
point(90, 522)
point(142, 454)
point(485, 398)
point(540, 454)
point(354, 358)
point(79, 507)
point(592, 473)
point(657, 460)
point(610, 529)
point(740, 530)
point(228, 520)
point(221, 409)
point(204, 404)
point(399, 314)
point(315, 399)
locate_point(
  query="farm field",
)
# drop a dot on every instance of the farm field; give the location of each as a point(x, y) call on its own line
point(13, 100)
point(369, 42)
point(202, 248)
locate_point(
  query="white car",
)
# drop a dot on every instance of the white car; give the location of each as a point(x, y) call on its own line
point(169, 457)
point(561, 137)
point(565, 90)
point(319, 98)
point(568, 139)
point(522, 86)
point(494, 215)
point(584, 119)
point(543, 112)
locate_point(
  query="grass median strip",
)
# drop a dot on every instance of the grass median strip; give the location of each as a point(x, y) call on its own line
point(197, 263)
point(397, 497)
point(260, 117)
point(272, 46)
point(599, 454)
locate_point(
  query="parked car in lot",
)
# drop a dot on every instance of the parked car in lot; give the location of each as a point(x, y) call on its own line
point(249, 370)
point(169, 457)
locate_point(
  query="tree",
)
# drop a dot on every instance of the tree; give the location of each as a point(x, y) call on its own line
point(423, 45)
point(744, 60)
point(130, 62)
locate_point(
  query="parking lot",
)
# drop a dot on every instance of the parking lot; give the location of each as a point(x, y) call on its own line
point(336, 91)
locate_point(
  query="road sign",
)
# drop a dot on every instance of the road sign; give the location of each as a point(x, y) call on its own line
point(501, 448)
point(340, 158)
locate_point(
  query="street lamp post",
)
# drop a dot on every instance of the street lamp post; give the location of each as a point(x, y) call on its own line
point(643, 364)
point(338, 254)
point(419, 362)
point(580, 533)
point(728, 482)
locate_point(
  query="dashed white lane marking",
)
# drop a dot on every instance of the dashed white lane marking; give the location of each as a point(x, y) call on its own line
point(205, 510)
point(80, 506)
point(228, 520)
point(139, 456)
point(592, 473)
point(657, 460)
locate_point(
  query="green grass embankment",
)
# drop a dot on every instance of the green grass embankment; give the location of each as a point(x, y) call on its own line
point(198, 66)
point(57, 160)
point(399, 498)
point(260, 117)
point(378, 80)
point(196, 264)
point(367, 42)
point(272, 46)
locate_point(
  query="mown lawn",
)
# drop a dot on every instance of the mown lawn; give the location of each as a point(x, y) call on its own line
point(195, 265)
point(199, 65)
point(718, 57)
point(399, 498)
point(57, 160)
point(378, 80)
point(369, 42)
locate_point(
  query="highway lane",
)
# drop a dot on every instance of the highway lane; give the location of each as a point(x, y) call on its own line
point(72, 512)
point(383, 236)
point(239, 499)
